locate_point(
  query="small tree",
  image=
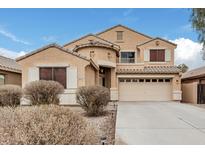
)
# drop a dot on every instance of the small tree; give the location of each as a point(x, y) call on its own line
point(93, 99)
point(198, 23)
point(183, 67)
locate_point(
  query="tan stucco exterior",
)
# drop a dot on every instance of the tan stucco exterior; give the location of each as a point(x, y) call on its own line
point(11, 77)
point(99, 54)
point(130, 38)
point(190, 89)
point(103, 50)
point(54, 57)
point(161, 45)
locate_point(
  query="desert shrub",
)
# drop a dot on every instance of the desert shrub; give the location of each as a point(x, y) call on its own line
point(93, 99)
point(43, 92)
point(10, 95)
point(45, 124)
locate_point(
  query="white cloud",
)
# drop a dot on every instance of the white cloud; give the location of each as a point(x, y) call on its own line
point(11, 54)
point(12, 37)
point(188, 52)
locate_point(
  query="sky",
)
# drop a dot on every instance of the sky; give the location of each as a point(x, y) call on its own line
point(24, 30)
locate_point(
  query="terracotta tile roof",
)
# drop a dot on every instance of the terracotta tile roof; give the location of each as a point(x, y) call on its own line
point(8, 64)
point(151, 70)
point(195, 73)
point(88, 36)
point(97, 44)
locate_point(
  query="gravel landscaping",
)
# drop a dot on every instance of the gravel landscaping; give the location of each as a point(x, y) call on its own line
point(105, 125)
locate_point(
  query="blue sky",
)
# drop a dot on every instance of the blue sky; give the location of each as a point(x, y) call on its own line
point(28, 29)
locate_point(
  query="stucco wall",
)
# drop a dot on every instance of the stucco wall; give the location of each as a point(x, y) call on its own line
point(99, 54)
point(90, 76)
point(54, 57)
point(189, 92)
point(11, 77)
point(130, 38)
point(152, 45)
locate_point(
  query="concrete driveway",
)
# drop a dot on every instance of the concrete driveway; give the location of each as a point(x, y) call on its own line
point(160, 123)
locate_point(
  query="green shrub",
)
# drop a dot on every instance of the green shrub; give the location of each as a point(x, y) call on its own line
point(93, 99)
point(10, 95)
point(43, 92)
point(45, 124)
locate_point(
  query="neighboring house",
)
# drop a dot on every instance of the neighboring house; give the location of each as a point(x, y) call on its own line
point(193, 86)
point(10, 71)
point(134, 66)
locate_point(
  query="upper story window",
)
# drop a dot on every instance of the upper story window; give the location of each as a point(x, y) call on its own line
point(2, 79)
point(119, 35)
point(53, 73)
point(127, 57)
point(157, 55)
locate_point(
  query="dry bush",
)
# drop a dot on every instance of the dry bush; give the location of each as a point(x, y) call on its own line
point(43, 92)
point(93, 99)
point(10, 95)
point(45, 124)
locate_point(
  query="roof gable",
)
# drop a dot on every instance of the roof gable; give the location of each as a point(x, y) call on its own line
point(125, 27)
point(90, 35)
point(50, 46)
point(157, 38)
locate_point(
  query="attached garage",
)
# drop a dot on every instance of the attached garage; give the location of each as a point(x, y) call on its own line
point(145, 89)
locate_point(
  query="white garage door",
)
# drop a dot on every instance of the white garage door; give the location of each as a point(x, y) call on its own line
point(144, 89)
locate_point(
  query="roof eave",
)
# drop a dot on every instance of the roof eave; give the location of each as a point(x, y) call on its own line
point(156, 39)
point(48, 46)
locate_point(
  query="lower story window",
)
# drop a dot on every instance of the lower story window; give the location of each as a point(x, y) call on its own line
point(2, 79)
point(53, 73)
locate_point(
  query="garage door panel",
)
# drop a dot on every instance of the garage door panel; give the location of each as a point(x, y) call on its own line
point(145, 91)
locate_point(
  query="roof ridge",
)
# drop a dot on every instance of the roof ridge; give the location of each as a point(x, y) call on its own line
point(124, 27)
point(89, 34)
point(75, 40)
point(156, 39)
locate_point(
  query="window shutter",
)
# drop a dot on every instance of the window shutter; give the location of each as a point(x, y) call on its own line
point(146, 55)
point(33, 74)
point(168, 55)
point(72, 77)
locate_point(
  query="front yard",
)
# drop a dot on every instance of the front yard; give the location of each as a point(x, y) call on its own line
point(45, 121)
point(54, 124)
point(105, 125)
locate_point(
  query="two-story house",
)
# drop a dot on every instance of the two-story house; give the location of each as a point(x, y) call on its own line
point(134, 66)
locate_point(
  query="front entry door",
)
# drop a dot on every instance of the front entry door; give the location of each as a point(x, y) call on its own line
point(102, 81)
point(104, 77)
